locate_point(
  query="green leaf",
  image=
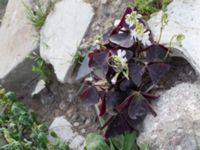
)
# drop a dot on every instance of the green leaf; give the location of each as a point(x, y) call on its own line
point(42, 139)
point(96, 142)
point(25, 120)
point(11, 96)
point(111, 145)
point(18, 109)
point(118, 142)
point(130, 141)
point(144, 147)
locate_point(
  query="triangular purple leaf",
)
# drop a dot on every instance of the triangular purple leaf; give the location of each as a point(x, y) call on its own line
point(137, 109)
point(156, 53)
point(136, 71)
point(123, 39)
point(90, 96)
point(157, 71)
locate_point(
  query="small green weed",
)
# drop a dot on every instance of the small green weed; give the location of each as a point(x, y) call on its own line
point(38, 14)
point(148, 7)
point(20, 129)
point(126, 141)
point(77, 57)
point(40, 67)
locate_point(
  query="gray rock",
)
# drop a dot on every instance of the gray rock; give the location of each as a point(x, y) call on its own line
point(62, 34)
point(64, 131)
point(183, 18)
point(17, 42)
point(177, 124)
point(76, 124)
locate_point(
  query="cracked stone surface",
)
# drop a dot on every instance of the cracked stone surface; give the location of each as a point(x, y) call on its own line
point(183, 18)
point(64, 131)
point(62, 34)
point(176, 126)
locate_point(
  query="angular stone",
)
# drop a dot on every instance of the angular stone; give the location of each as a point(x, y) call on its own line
point(62, 34)
point(17, 42)
point(62, 128)
point(77, 143)
point(178, 119)
point(64, 131)
point(183, 18)
point(41, 85)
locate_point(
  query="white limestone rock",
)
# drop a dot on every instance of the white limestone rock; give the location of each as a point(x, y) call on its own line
point(62, 34)
point(178, 119)
point(17, 42)
point(183, 18)
point(41, 85)
point(64, 131)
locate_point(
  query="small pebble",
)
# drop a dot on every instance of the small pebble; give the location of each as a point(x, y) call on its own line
point(62, 105)
point(83, 131)
point(76, 124)
point(87, 122)
point(119, 2)
point(70, 112)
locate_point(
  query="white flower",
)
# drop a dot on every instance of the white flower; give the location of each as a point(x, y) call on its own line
point(143, 37)
point(114, 80)
point(132, 18)
point(146, 39)
point(122, 56)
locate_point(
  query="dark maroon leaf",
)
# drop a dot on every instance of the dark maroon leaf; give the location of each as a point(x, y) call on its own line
point(156, 53)
point(102, 107)
point(101, 71)
point(118, 125)
point(126, 85)
point(137, 109)
point(90, 96)
point(131, 122)
point(129, 55)
point(98, 58)
point(125, 103)
point(150, 96)
point(123, 39)
point(115, 98)
point(136, 71)
point(157, 71)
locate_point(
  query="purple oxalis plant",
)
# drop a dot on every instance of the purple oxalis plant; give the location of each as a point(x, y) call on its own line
point(125, 69)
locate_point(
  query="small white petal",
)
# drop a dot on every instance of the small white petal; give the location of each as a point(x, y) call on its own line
point(119, 52)
point(124, 60)
point(113, 80)
point(123, 53)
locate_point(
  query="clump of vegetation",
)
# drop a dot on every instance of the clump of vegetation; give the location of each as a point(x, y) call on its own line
point(148, 7)
point(41, 68)
point(126, 141)
point(20, 129)
point(38, 14)
point(126, 68)
point(77, 57)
